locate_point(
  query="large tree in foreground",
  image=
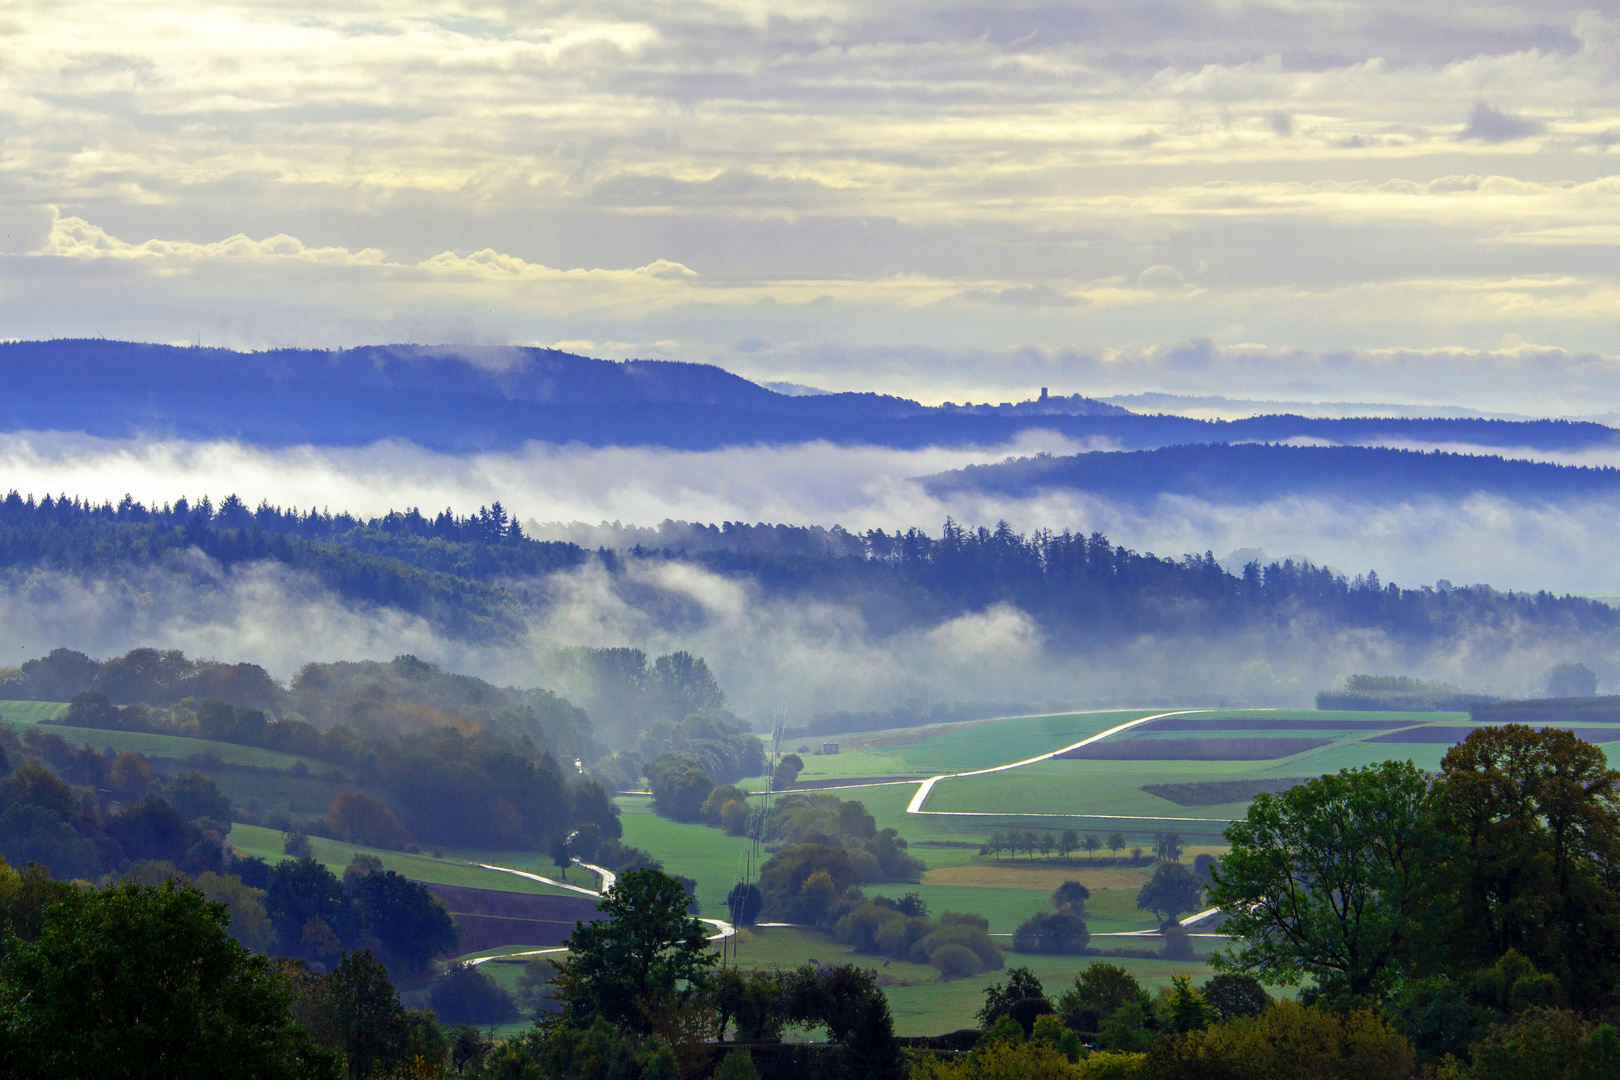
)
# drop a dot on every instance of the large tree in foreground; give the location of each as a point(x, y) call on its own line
point(640, 961)
point(1532, 858)
point(1323, 880)
point(141, 982)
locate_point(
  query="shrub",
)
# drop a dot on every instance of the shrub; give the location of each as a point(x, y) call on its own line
point(713, 812)
point(1289, 1039)
point(737, 1065)
point(679, 786)
point(1177, 943)
point(197, 796)
point(1071, 895)
point(970, 936)
point(1234, 996)
point(465, 995)
point(1056, 935)
point(1001, 998)
point(781, 880)
point(357, 817)
point(734, 817)
point(1547, 1042)
point(1015, 1059)
point(956, 961)
point(1126, 1030)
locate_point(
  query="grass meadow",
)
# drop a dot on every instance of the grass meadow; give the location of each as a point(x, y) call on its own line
point(452, 869)
point(31, 712)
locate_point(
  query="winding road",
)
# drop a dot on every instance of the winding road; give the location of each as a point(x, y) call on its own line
point(924, 789)
point(608, 880)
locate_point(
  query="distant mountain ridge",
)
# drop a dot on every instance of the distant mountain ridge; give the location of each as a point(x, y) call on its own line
point(456, 399)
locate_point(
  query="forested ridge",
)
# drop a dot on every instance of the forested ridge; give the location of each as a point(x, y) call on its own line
point(478, 576)
point(1240, 472)
point(466, 398)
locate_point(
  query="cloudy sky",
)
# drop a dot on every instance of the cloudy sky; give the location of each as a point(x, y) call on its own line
point(1304, 200)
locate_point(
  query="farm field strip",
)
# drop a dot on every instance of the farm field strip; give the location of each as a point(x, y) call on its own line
point(176, 748)
point(917, 800)
point(265, 843)
point(31, 712)
point(1047, 791)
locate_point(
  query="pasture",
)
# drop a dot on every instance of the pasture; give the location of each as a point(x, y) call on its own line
point(454, 868)
point(169, 752)
point(923, 1003)
point(31, 712)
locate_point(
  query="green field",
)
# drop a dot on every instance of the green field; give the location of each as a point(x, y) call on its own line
point(454, 869)
point(177, 748)
point(707, 855)
point(1110, 791)
point(31, 712)
point(922, 1003)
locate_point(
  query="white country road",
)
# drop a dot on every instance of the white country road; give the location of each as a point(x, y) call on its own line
point(608, 880)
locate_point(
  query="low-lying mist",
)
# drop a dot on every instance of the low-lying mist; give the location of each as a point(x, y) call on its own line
point(1479, 538)
point(811, 656)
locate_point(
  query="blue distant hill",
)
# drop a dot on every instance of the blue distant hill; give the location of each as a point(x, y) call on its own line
point(467, 398)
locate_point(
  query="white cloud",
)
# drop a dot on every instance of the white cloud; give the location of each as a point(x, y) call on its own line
point(938, 176)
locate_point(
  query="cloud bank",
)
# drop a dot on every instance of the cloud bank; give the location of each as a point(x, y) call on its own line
point(1480, 538)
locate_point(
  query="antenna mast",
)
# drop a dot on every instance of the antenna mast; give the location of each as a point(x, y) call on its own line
point(753, 853)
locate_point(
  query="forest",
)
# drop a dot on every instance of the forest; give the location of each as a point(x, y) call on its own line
point(1256, 471)
point(478, 577)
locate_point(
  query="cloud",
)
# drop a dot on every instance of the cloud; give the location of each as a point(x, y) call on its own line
point(76, 238)
point(1480, 538)
point(626, 173)
point(1489, 124)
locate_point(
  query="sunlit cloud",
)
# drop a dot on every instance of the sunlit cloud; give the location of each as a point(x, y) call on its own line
point(877, 179)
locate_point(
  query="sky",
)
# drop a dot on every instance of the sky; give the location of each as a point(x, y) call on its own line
point(1302, 200)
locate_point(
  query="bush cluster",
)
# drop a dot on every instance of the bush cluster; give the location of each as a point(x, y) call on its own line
point(958, 945)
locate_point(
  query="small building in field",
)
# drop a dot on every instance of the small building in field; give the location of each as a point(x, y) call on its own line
point(829, 748)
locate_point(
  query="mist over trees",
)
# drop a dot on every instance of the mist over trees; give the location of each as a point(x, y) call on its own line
point(1083, 590)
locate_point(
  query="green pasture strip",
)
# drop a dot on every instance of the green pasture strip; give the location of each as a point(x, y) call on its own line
point(533, 862)
point(31, 712)
point(336, 855)
point(1330, 759)
point(178, 747)
point(1108, 910)
point(939, 858)
point(921, 1002)
point(855, 761)
point(709, 856)
point(1114, 787)
point(936, 1008)
point(1088, 787)
point(506, 954)
point(988, 743)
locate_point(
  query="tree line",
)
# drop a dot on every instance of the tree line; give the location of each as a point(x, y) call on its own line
point(1081, 587)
